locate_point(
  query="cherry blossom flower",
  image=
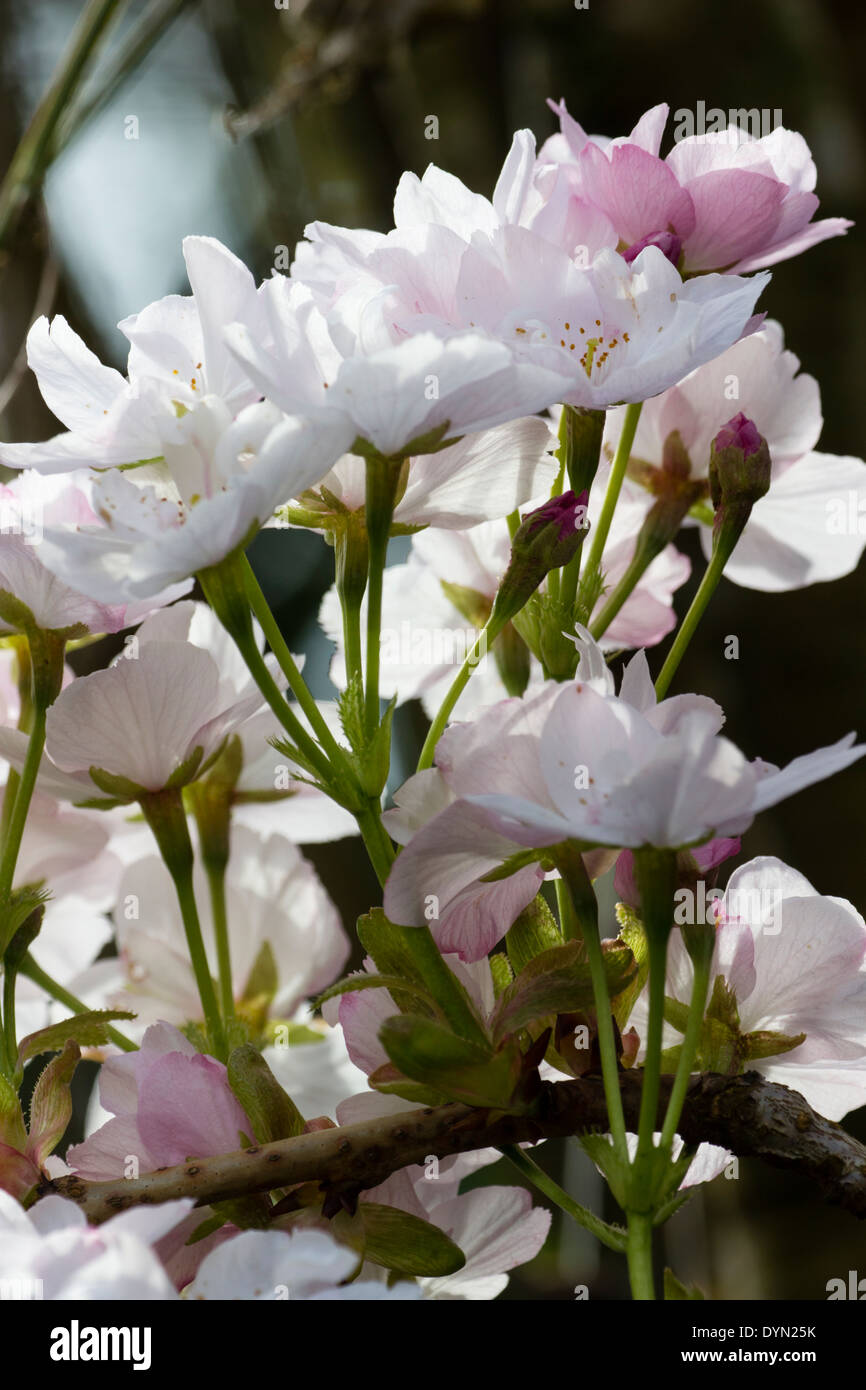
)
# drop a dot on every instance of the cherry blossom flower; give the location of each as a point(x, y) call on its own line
point(611, 332)
point(217, 481)
point(168, 1102)
point(296, 1265)
point(149, 721)
point(53, 1244)
point(379, 381)
point(32, 595)
point(577, 762)
point(735, 202)
point(177, 357)
point(793, 963)
point(275, 904)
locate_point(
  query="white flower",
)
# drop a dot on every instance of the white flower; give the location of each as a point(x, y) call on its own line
point(177, 356)
point(795, 962)
point(74, 1262)
point(275, 1265)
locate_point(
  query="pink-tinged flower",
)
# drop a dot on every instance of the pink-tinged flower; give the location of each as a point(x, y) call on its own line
point(275, 902)
point(609, 330)
point(733, 201)
point(808, 526)
point(298, 1265)
point(705, 858)
point(580, 763)
point(795, 963)
point(218, 479)
point(169, 1103)
point(150, 720)
point(51, 1248)
point(482, 476)
point(377, 379)
point(177, 357)
point(425, 636)
point(32, 595)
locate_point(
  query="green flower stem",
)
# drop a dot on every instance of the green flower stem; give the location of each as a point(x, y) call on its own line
point(614, 486)
point(712, 574)
point(34, 972)
point(610, 1236)
point(288, 666)
point(221, 589)
point(638, 566)
point(376, 840)
point(216, 882)
point(513, 520)
point(688, 1050)
point(483, 642)
point(33, 154)
point(8, 1032)
point(18, 818)
point(382, 483)
point(165, 814)
point(378, 554)
point(581, 922)
point(655, 871)
point(639, 1252)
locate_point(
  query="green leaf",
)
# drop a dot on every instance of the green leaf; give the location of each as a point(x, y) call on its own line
point(350, 708)
point(388, 946)
point(471, 604)
point(558, 982)
point(272, 1113)
point(462, 1070)
point(263, 980)
point(768, 1044)
point(406, 1243)
point(633, 934)
point(723, 1005)
point(282, 1032)
point(13, 1131)
point(390, 1081)
point(352, 983)
point(501, 972)
point(51, 1103)
point(23, 903)
point(676, 1014)
point(676, 1290)
point(534, 931)
point(87, 1029)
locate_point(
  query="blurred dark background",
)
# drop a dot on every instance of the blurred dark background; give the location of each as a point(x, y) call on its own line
point(252, 119)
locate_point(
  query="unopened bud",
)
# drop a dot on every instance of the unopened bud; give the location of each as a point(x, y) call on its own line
point(546, 540)
point(740, 470)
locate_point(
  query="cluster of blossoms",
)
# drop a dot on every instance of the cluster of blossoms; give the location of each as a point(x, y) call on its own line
point(539, 390)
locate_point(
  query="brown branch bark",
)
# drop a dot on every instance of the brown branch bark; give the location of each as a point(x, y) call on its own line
point(751, 1117)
